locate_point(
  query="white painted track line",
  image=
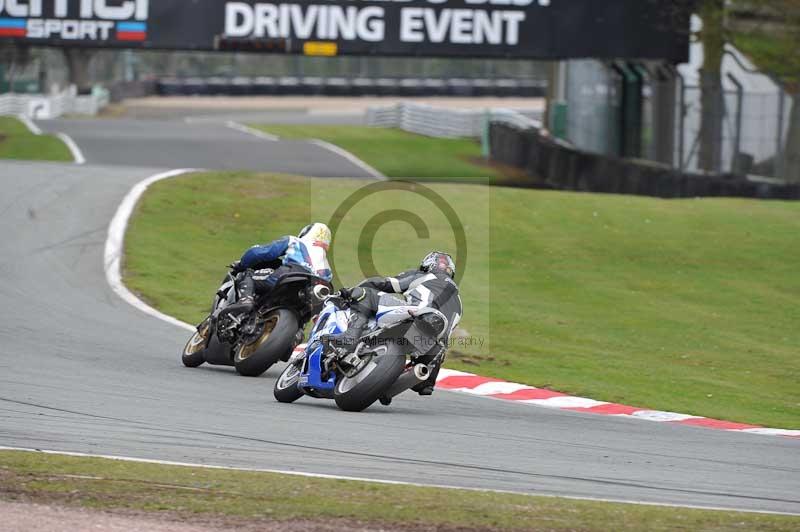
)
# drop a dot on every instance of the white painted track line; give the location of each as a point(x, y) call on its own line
point(321, 143)
point(77, 154)
point(349, 156)
point(32, 127)
point(251, 131)
point(114, 249)
point(379, 481)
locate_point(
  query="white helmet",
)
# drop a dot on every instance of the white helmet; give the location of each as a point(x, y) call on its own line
point(316, 234)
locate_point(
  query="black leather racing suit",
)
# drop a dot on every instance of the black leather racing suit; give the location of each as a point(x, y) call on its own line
point(386, 296)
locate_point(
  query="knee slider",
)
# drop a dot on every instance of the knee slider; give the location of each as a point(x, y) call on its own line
point(358, 294)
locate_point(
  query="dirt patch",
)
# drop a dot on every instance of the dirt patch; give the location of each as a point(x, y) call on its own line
point(509, 175)
point(21, 514)
point(24, 507)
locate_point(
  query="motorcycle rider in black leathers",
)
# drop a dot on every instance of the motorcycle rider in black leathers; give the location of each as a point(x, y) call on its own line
point(431, 285)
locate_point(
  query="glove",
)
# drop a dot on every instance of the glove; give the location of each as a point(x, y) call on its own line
point(345, 293)
point(353, 295)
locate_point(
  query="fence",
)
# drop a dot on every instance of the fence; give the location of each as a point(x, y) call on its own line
point(442, 122)
point(744, 123)
point(745, 131)
point(43, 107)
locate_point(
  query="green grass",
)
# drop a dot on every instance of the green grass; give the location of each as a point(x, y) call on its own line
point(194, 492)
point(399, 154)
point(16, 142)
point(685, 305)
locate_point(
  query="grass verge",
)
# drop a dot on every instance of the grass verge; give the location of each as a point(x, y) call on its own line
point(399, 154)
point(684, 305)
point(194, 491)
point(16, 142)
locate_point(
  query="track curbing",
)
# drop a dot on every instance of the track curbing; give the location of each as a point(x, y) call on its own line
point(469, 383)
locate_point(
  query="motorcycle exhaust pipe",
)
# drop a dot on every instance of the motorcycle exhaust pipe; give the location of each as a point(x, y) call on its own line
point(409, 379)
point(422, 372)
point(321, 291)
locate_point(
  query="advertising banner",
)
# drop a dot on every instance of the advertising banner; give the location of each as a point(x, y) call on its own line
point(533, 29)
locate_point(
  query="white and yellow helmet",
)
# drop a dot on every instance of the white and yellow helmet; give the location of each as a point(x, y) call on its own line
point(316, 235)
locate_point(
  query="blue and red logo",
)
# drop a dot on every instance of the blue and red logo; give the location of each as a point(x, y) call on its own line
point(13, 27)
point(131, 31)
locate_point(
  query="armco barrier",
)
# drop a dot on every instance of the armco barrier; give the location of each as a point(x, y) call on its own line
point(46, 106)
point(445, 122)
point(550, 163)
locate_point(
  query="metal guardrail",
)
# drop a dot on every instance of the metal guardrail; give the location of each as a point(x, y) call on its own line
point(443, 122)
point(46, 106)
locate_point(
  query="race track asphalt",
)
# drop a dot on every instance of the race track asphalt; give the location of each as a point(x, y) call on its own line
point(207, 144)
point(83, 371)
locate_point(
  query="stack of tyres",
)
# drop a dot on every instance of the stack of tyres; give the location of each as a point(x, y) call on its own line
point(362, 87)
point(337, 87)
point(241, 86)
point(264, 86)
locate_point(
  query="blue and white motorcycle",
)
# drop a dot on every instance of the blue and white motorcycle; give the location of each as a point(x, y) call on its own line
point(393, 356)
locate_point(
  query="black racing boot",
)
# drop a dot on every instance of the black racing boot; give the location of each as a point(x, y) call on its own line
point(346, 342)
point(246, 301)
point(244, 306)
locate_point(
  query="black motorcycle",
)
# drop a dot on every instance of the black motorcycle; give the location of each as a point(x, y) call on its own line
point(255, 341)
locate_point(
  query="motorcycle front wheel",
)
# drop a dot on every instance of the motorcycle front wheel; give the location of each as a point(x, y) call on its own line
point(194, 351)
point(278, 331)
point(286, 390)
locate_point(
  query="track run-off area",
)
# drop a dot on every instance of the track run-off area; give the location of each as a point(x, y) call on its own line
point(82, 370)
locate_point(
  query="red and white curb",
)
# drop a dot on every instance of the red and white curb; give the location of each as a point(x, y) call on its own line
point(469, 383)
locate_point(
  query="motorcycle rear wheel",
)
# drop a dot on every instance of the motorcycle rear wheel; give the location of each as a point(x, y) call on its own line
point(276, 339)
point(357, 393)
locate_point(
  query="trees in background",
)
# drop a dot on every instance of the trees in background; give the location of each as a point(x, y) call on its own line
point(768, 31)
point(713, 37)
point(16, 57)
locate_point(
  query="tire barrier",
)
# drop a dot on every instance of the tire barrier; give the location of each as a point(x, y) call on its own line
point(123, 90)
point(551, 163)
point(341, 86)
